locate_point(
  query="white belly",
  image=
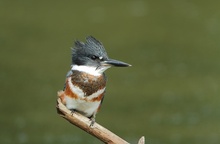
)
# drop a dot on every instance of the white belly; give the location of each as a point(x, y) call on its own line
point(87, 107)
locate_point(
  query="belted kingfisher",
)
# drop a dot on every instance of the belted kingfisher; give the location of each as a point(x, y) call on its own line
point(86, 81)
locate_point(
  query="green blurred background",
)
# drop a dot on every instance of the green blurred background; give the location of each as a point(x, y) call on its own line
point(170, 94)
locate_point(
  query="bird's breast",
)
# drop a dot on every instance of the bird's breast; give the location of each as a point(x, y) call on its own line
point(77, 92)
point(86, 84)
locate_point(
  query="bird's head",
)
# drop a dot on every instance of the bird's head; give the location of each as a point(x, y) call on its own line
point(91, 56)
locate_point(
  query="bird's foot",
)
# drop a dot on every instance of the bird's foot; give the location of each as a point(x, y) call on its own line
point(92, 119)
point(72, 111)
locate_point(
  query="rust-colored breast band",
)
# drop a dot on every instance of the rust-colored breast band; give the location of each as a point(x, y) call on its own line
point(69, 93)
point(98, 98)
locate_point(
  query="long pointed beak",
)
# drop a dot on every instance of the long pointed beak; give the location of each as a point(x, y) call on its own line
point(117, 63)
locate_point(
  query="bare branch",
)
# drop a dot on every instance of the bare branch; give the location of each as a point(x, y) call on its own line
point(96, 130)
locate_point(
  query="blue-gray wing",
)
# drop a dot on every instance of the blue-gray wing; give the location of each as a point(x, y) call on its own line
point(69, 73)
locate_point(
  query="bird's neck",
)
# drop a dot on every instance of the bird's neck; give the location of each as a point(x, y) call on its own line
point(88, 69)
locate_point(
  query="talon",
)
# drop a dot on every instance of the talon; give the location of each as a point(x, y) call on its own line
point(72, 111)
point(92, 122)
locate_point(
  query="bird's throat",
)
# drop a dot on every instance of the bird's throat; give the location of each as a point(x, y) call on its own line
point(95, 71)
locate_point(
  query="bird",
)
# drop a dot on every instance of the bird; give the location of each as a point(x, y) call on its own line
point(85, 83)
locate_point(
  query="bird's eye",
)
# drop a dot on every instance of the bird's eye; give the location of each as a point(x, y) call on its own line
point(93, 57)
